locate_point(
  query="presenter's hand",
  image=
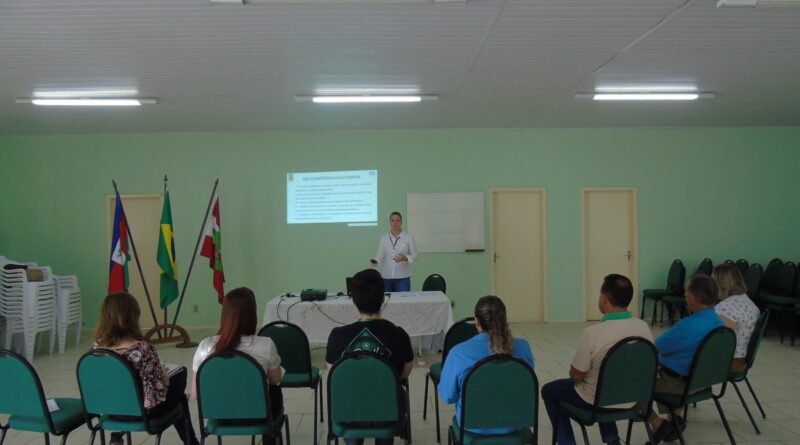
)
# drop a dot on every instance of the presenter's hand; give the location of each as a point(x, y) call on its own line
point(399, 258)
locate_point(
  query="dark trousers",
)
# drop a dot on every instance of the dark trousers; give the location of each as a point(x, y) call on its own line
point(175, 396)
point(564, 391)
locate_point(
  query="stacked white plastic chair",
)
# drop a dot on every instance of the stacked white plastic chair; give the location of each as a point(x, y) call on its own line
point(68, 309)
point(29, 308)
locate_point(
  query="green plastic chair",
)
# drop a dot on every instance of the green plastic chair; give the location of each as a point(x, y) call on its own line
point(295, 353)
point(22, 399)
point(779, 295)
point(111, 390)
point(711, 366)
point(675, 278)
point(499, 391)
point(461, 331)
point(752, 280)
point(233, 399)
point(738, 377)
point(743, 266)
point(705, 267)
point(435, 282)
point(355, 413)
point(620, 382)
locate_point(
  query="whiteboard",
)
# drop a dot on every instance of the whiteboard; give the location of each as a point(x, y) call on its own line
point(446, 222)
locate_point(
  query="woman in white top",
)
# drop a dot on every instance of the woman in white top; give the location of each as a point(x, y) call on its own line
point(396, 251)
point(237, 333)
point(736, 310)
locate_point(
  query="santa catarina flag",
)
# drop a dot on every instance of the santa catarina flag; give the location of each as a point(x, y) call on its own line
point(166, 256)
point(211, 243)
point(118, 267)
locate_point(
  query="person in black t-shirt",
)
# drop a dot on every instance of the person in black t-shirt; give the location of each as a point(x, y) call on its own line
point(371, 333)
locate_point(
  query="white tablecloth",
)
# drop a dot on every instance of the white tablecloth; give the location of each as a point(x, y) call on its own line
point(419, 313)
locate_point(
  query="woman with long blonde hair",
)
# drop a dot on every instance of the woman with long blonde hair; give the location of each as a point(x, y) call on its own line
point(736, 310)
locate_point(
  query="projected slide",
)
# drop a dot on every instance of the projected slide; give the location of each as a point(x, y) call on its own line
point(332, 197)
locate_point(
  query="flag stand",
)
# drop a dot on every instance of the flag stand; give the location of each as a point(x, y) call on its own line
point(174, 325)
point(183, 339)
point(139, 267)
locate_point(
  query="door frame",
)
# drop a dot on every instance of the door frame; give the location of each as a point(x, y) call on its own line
point(634, 306)
point(543, 221)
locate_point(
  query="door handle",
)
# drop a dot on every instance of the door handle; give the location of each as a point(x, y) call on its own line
point(628, 255)
point(495, 257)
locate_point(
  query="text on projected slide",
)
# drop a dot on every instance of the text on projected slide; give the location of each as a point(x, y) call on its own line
point(332, 197)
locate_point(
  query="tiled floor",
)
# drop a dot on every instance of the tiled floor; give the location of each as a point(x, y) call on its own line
point(774, 377)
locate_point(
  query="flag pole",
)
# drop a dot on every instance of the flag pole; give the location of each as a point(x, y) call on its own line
point(139, 266)
point(165, 197)
point(194, 256)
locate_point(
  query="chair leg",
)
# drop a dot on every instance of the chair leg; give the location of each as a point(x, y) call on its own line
point(655, 312)
point(321, 409)
point(64, 438)
point(425, 398)
point(3, 430)
point(673, 416)
point(436, 404)
point(158, 438)
point(647, 429)
point(314, 421)
point(102, 437)
point(91, 437)
point(685, 412)
point(130, 439)
point(630, 428)
point(724, 421)
point(219, 440)
point(46, 438)
point(753, 393)
point(253, 440)
point(585, 436)
point(288, 438)
point(746, 408)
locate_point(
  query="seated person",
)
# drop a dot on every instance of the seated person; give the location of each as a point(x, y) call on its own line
point(237, 332)
point(677, 348)
point(118, 330)
point(616, 294)
point(371, 333)
point(736, 310)
point(494, 337)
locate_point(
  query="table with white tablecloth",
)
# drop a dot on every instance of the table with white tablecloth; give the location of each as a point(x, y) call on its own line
point(427, 314)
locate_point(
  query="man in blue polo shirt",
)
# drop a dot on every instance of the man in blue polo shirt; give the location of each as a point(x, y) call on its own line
point(677, 348)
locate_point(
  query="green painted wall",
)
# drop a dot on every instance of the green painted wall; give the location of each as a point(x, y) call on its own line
point(702, 192)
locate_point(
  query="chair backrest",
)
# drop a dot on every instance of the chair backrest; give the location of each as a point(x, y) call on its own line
point(109, 384)
point(786, 278)
point(712, 361)
point(500, 391)
point(619, 382)
point(705, 267)
point(772, 274)
point(743, 265)
point(231, 385)
point(752, 279)
point(435, 282)
point(21, 391)
point(292, 344)
point(461, 331)
point(676, 276)
point(363, 387)
point(755, 338)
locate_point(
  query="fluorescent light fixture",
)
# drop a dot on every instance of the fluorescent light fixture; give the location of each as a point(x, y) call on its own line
point(87, 102)
point(758, 3)
point(366, 99)
point(53, 94)
point(646, 96)
point(645, 88)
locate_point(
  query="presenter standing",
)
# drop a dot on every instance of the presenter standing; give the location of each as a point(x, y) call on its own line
point(396, 251)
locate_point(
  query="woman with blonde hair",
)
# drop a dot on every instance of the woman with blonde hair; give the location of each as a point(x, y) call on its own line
point(118, 331)
point(494, 337)
point(735, 309)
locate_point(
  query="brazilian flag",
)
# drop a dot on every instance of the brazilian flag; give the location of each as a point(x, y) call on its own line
point(166, 256)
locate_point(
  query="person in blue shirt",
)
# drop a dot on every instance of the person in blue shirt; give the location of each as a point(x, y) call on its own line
point(494, 337)
point(676, 350)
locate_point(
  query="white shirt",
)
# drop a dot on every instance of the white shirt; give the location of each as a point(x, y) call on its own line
point(388, 248)
point(744, 313)
point(261, 349)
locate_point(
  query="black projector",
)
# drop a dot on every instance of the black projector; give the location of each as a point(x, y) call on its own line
point(313, 294)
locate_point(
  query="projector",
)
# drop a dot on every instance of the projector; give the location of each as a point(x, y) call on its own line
point(313, 294)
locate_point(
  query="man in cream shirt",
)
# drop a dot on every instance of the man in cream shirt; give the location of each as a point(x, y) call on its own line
point(616, 294)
